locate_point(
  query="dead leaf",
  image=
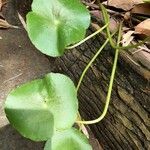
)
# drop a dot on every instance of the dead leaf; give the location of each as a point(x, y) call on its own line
point(2, 2)
point(143, 27)
point(124, 4)
point(143, 9)
point(5, 25)
point(127, 38)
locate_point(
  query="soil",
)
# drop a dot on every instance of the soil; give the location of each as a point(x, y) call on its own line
point(19, 62)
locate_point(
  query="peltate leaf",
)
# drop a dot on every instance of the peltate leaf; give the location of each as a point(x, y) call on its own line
point(54, 24)
point(37, 108)
point(70, 139)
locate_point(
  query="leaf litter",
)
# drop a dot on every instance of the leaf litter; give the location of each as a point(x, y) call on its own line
point(3, 22)
point(136, 21)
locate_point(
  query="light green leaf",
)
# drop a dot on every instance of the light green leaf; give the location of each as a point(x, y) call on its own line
point(38, 107)
point(70, 139)
point(54, 24)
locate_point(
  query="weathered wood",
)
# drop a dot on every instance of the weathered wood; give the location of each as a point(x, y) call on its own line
point(127, 124)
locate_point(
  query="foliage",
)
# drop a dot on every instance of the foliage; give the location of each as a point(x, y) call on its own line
point(46, 109)
point(35, 109)
point(70, 139)
point(59, 24)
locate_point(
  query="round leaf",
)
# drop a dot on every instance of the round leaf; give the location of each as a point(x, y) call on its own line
point(54, 24)
point(36, 107)
point(70, 139)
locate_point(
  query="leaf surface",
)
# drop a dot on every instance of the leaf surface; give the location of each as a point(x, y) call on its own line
point(53, 25)
point(37, 108)
point(70, 139)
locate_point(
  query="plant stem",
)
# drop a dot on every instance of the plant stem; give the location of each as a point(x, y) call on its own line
point(106, 19)
point(110, 85)
point(87, 67)
point(87, 38)
point(91, 61)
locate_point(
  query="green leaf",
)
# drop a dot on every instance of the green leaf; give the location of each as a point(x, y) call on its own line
point(38, 107)
point(70, 139)
point(54, 24)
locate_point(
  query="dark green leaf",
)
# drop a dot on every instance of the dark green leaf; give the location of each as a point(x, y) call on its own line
point(36, 107)
point(70, 139)
point(54, 24)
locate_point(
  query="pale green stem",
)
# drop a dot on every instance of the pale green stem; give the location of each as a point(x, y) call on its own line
point(84, 72)
point(90, 63)
point(88, 66)
point(110, 86)
point(106, 19)
point(88, 37)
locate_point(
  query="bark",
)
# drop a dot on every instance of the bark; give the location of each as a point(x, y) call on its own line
point(127, 124)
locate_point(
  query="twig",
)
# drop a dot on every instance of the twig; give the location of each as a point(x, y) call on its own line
point(10, 79)
point(22, 21)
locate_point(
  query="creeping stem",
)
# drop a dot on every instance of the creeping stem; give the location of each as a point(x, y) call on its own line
point(92, 60)
point(110, 85)
point(84, 40)
point(117, 49)
point(106, 19)
point(88, 37)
